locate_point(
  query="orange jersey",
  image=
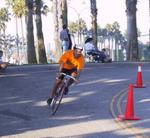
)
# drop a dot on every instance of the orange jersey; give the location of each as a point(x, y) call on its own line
point(70, 62)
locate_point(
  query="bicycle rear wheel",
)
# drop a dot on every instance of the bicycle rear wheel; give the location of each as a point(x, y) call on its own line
point(57, 99)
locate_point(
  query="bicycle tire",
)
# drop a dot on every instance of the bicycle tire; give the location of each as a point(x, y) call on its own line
point(57, 100)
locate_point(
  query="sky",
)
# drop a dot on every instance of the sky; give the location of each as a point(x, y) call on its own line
point(109, 11)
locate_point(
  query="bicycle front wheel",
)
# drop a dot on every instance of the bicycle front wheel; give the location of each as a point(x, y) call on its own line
point(57, 100)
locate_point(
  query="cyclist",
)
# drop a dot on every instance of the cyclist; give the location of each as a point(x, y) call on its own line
point(71, 63)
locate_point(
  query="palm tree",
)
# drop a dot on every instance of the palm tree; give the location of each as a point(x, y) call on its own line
point(82, 27)
point(132, 44)
point(94, 21)
point(100, 39)
point(116, 33)
point(77, 27)
point(73, 27)
point(58, 49)
point(60, 18)
point(4, 17)
point(109, 35)
point(31, 55)
point(40, 44)
point(19, 10)
point(63, 13)
point(104, 35)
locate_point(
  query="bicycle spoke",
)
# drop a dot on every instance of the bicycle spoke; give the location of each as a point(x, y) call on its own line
point(56, 101)
point(60, 92)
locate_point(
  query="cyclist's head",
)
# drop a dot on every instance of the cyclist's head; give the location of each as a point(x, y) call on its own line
point(77, 50)
point(78, 47)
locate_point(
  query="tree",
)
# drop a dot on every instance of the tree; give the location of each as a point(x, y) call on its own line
point(40, 39)
point(109, 35)
point(19, 10)
point(116, 33)
point(10, 47)
point(60, 18)
point(73, 27)
point(82, 27)
point(94, 21)
point(4, 17)
point(58, 49)
point(31, 55)
point(132, 43)
point(103, 32)
point(77, 27)
point(63, 13)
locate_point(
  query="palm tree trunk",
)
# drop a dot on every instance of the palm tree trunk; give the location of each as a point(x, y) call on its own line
point(58, 48)
point(23, 42)
point(40, 44)
point(31, 55)
point(132, 43)
point(17, 37)
point(116, 44)
point(63, 13)
point(94, 21)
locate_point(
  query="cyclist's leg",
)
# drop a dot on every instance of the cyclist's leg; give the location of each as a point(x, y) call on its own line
point(73, 73)
point(58, 82)
point(53, 92)
point(55, 87)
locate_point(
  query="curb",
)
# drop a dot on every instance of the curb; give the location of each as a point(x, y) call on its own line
point(116, 103)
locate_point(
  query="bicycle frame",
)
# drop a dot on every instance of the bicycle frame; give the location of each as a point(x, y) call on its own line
point(60, 93)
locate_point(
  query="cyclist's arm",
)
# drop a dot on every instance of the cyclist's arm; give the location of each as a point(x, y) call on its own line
point(59, 70)
point(61, 66)
point(78, 73)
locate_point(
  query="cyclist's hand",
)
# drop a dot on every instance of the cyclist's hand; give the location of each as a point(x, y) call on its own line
point(74, 74)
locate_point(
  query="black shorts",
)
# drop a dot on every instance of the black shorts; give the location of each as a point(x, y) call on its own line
point(67, 71)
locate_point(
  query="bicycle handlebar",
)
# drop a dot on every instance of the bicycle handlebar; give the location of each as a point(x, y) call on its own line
point(69, 76)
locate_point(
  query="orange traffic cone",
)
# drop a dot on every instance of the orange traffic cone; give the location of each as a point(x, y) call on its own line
point(129, 114)
point(139, 81)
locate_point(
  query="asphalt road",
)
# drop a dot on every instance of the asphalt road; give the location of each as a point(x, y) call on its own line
point(86, 112)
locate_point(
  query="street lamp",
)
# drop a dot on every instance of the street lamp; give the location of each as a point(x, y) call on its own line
point(78, 16)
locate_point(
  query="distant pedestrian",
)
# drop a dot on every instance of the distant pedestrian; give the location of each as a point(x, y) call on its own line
point(64, 37)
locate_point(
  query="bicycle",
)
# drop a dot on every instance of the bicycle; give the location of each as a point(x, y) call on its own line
point(60, 92)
